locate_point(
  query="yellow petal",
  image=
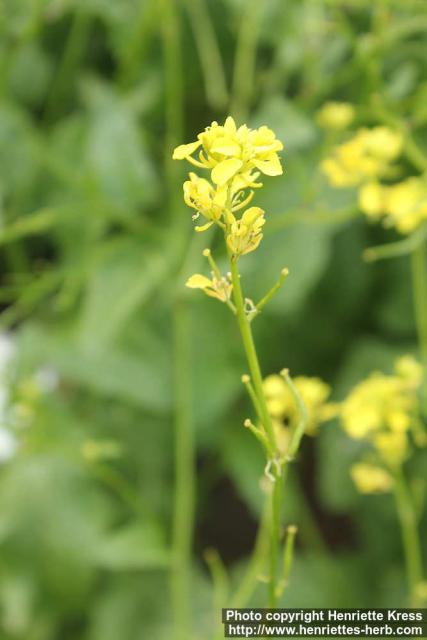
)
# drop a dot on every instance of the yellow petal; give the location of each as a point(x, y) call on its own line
point(198, 282)
point(227, 146)
point(230, 125)
point(185, 150)
point(270, 167)
point(225, 170)
point(251, 215)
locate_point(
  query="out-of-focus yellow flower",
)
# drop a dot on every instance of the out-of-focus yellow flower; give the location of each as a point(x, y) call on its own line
point(406, 205)
point(379, 402)
point(219, 288)
point(383, 409)
point(335, 115)
point(101, 450)
point(369, 478)
point(409, 369)
point(314, 393)
point(228, 151)
point(372, 199)
point(392, 447)
point(244, 235)
point(363, 158)
point(402, 205)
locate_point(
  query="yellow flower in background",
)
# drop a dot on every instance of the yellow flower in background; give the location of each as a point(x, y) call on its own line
point(406, 205)
point(314, 393)
point(383, 410)
point(392, 447)
point(228, 151)
point(244, 235)
point(216, 288)
point(369, 478)
point(336, 115)
point(372, 199)
point(402, 205)
point(381, 402)
point(363, 158)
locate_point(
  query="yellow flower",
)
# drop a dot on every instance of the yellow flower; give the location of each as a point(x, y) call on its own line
point(383, 408)
point(335, 115)
point(409, 369)
point(215, 288)
point(378, 402)
point(406, 204)
point(372, 199)
point(244, 235)
point(199, 194)
point(229, 151)
point(314, 393)
point(392, 447)
point(369, 478)
point(363, 158)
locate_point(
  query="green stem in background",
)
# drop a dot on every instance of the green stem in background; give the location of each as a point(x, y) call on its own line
point(183, 516)
point(255, 371)
point(396, 249)
point(73, 52)
point(419, 285)
point(209, 53)
point(410, 538)
point(184, 494)
point(245, 57)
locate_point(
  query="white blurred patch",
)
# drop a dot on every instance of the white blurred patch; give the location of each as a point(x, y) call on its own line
point(47, 379)
point(8, 445)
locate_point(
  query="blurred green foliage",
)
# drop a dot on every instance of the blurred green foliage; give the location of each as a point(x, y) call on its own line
point(95, 249)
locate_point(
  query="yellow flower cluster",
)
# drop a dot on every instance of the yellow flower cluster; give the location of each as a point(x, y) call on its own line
point(335, 115)
point(382, 410)
point(366, 159)
point(402, 205)
point(284, 411)
point(235, 157)
point(363, 158)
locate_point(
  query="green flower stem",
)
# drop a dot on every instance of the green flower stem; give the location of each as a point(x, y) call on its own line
point(410, 538)
point(184, 449)
point(396, 249)
point(419, 285)
point(209, 53)
point(183, 513)
point(255, 371)
point(274, 289)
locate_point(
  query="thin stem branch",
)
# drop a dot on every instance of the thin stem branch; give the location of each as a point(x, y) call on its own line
point(244, 62)
point(183, 516)
point(396, 249)
point(419, 286)
point(209, 53)
point(255, 370)
point(410, 538)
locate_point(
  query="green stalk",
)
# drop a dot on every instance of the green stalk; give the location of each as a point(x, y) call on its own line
point(184, 495)
point(255, 371)
point(183, 516)
point(419, 285)
point(410, 537)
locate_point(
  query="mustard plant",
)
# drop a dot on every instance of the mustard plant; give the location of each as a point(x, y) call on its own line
point(383, 411)
point(233, 160)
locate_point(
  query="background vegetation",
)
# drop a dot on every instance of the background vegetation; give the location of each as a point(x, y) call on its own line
point(110, 350)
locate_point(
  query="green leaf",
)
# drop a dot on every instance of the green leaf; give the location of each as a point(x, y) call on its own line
point(136, 546)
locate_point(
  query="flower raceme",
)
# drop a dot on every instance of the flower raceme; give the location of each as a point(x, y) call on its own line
point(235, 157)
point(383, 410)
point(364, 157)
